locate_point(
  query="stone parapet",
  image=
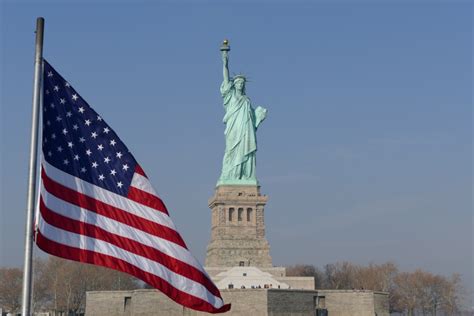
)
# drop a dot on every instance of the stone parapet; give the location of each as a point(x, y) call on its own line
point(298, 283)
point(225, 194)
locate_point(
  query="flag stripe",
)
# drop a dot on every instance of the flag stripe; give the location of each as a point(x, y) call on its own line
point(76, 213)
point(93, 257)
point(139, 170)
point(147, 199)
point(106, 196)
point(101, 208)
point(92, 244)
point(127, 244)
point(142, 191)
point(142, 183)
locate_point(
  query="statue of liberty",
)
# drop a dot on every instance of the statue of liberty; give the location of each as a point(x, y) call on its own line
point(242, 121)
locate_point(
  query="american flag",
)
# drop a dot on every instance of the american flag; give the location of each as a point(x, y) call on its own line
point(98, 206)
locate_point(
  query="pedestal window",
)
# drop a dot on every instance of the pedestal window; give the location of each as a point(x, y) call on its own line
point(231, 214)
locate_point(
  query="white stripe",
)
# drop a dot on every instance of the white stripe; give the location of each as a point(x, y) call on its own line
point(115, 227)
point(106, 196)
point(142, 183)
point(87, 243)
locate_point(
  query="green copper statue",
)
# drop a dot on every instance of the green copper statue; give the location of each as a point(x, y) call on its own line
point(242, 121)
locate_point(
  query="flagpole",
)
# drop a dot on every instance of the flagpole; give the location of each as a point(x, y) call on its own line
point(27, 266)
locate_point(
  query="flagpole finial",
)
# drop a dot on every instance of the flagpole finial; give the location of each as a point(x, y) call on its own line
point(39, 24)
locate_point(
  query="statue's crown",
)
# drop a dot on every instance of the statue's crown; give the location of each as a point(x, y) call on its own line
point(240, 76)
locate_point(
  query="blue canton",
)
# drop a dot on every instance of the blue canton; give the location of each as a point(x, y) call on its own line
point(78, 141)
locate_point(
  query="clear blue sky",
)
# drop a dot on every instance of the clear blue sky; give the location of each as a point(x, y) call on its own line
point(366, 154)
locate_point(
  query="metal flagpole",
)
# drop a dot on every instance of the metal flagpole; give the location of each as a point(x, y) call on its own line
point(27, 266)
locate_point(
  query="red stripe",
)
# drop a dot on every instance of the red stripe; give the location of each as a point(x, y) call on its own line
point(146, 198)
point(78, 227)
point(87, 256)
point(139, 170)
point(99, 207)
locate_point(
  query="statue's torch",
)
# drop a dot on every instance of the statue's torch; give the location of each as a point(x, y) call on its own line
point(225, 46)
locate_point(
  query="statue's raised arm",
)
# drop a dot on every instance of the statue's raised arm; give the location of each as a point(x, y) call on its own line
point(225, 60)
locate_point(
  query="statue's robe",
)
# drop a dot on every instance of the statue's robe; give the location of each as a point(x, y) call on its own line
point(241, 121)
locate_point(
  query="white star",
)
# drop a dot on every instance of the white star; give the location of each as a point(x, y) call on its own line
point(88, 152)
point(74, 97)
point(118, 155)
point(60, 149)
point(82, 139)
point(50, 153)
point(53, 136)
point(81, 110)
point(99, 118)
point(67, 84)
point(66, 162)
point(48, 123)
point(94, 164)
point(100, 147)
point(62, 101)
point(106, 130)
point(56, 88)
point(119, 184)
point(64, 131)
point(113, 172)
point(83, 169)
point(87, 122)
point(125, 167)
point(75, 127)
point(68, 114)
point(113, 142)
point(50, 73)
point(101, 177)
point(52, 105)
point(106, 159)
point(58, 118)
point(76, 157)
point(70, 144)
point(47, 91)
point(45, 140)
point(94, 135)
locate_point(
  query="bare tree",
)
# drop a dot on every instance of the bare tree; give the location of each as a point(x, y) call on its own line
point(405, 287)
point(68, 281)
point(340, 275)
point(10, 289)
point(452, 292)
point(301, 270)
point(376, 277)
point(426, 293)
point(412, 293)
point(41, 295)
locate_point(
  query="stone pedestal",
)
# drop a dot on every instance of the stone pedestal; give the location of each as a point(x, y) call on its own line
point(238, 228)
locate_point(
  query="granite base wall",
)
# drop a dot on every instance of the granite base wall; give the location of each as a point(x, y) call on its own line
point(264, 302)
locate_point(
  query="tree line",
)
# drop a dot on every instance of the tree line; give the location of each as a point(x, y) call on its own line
point(410, 293)
point(60, 285)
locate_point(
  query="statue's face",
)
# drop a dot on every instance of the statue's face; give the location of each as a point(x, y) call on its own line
point(239, 84)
